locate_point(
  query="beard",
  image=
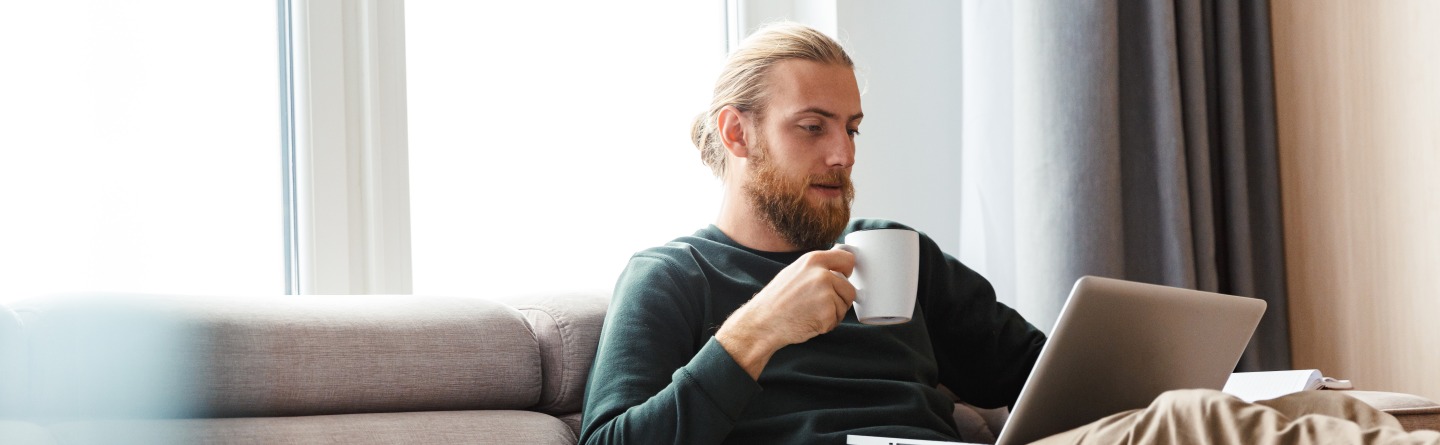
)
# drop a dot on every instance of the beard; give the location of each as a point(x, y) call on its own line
point(780, 201)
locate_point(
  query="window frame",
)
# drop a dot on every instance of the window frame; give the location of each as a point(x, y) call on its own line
point(347, 192)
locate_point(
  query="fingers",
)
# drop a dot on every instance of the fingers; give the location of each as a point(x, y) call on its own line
point(841, 308)
point(835, 259)
point(844, 293)
point(810, 297)
point(832, 288)
point(843, 288)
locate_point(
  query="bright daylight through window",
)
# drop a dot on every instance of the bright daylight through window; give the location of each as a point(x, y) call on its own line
point(140, 148)
point(548, 144)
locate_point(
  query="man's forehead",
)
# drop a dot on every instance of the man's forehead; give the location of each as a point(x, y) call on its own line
point(802, 86)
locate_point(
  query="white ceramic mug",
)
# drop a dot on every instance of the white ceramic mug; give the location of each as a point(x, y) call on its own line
point(887, 274)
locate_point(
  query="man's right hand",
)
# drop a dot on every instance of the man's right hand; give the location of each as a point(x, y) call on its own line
point(808, 298)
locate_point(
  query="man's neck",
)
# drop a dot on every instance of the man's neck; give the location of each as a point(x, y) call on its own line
point(739, 221)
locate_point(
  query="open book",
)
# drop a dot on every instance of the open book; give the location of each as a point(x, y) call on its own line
point(872, 440)
point(1264, 385)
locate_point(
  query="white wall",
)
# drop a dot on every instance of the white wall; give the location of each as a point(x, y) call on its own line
point(908, 58)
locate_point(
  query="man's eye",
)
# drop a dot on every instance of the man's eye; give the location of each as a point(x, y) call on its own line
point(812, 128)
point(853, 132)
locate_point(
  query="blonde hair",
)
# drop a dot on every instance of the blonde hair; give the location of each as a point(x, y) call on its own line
point(742, 82)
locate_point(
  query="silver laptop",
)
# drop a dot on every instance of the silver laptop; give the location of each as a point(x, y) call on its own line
point(1116, 346)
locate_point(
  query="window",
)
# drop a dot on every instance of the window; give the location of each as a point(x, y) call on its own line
point(549, 143)
point(140, 148)
point(141, 145)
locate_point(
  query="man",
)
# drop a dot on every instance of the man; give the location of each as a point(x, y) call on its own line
point(686, 350)
point(743, 333)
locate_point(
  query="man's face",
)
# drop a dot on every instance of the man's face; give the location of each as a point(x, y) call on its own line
point(798, 172)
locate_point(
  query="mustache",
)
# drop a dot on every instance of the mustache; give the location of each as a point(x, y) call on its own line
point(837, 177)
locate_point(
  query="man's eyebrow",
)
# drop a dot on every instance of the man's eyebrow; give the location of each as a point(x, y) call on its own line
point(829, 114)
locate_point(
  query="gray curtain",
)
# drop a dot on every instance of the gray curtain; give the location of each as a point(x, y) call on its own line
point(1141, 145)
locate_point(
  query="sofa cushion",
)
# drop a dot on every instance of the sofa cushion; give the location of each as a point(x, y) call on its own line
point(186, 356)
point(573, 420)
point(447, 427)
point(567, 327)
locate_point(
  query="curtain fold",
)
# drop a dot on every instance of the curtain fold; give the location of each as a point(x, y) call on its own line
point(1141, 146)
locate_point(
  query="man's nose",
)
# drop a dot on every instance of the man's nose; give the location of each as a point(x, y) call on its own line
point(840, 151)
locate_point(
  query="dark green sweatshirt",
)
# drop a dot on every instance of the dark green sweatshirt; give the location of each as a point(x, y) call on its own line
point(660, 377)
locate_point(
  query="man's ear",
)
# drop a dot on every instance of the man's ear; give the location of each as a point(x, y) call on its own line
point(733, 125)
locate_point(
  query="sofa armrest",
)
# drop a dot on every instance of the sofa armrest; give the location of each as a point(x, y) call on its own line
point(567, 327)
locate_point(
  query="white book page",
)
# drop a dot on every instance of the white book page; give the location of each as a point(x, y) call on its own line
point(872, 440)
point(1252, 386)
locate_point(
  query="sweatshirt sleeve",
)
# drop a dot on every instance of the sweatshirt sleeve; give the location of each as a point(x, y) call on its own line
point(658, 376)
point(984, 349)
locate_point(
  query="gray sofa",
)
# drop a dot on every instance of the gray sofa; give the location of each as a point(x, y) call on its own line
point(300, 369)
point(152, 369)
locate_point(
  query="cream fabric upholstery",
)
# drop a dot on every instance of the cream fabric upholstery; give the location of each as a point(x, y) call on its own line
point(155, 356)
point(434, 427)
point(573, 421)
point(119, 368)
point(568, 329)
